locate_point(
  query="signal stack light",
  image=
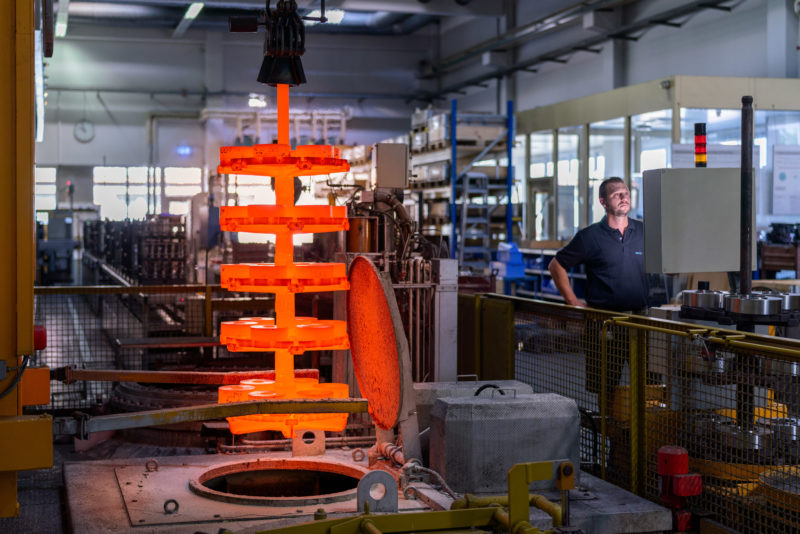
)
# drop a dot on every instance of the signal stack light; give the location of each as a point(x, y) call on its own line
point(284, 334)
point(700, 154)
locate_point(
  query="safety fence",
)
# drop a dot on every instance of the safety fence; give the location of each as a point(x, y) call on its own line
point(732, 399)
point(138, 328)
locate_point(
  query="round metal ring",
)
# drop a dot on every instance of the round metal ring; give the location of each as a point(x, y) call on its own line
point(171, 506)
point(151, 465)
point(358, 455)
point(411, 493)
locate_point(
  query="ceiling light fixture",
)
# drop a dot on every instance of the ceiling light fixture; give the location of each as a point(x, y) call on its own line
point(192, 11)
point(333, 16)
point(256, 100)
point(62, 18)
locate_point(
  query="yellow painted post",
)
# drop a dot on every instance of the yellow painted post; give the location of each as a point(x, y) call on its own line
point(602, 395)
point(636, 406)
point(16, 210)
point(519, 479)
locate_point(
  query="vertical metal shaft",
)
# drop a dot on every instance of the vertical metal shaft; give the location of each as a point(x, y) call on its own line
point(745, 400)
point(283, 114)
point(745, 268)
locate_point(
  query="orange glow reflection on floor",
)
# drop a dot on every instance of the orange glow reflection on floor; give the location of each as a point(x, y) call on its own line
point(285, 334)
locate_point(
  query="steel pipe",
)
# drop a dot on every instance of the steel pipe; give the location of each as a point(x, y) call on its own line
point(69, 375)
point(83, 424)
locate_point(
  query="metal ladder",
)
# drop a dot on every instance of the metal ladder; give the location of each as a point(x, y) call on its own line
point(474, 221)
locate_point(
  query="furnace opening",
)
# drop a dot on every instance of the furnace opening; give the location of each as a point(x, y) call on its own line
point(287, 482)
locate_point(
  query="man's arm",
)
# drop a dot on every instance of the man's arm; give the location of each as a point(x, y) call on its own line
point(561, 280)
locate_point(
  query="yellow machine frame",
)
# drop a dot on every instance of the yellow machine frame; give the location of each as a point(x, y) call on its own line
point(25, 442)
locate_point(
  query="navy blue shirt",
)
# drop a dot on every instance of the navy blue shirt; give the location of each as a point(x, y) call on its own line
point(614, 265)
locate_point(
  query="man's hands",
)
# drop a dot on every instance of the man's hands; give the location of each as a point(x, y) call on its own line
point(576, 302)
point(561, 279)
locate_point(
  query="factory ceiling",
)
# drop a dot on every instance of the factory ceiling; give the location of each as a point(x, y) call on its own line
point(388, 17)
point(527, 34)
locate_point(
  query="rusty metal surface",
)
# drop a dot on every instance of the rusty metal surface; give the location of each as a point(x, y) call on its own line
point(373, 343)
point(308, 443)
point(114, 496)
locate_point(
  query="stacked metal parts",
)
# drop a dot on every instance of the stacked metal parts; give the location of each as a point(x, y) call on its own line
point(762, 307)
point(152, 251)
point(284, 334)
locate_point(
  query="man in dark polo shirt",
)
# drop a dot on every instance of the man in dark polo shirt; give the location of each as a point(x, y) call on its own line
point(612, 251)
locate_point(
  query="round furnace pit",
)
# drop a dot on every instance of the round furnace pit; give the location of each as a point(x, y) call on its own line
point(280, 482)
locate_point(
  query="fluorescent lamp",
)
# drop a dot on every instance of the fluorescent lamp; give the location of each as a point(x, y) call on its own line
point(191, 13)
point(38, 79)
point(62, 17)
point(334, 16)
point(193, 10)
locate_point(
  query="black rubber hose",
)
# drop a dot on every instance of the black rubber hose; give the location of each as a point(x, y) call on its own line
point(17, 378)
point(487, 386)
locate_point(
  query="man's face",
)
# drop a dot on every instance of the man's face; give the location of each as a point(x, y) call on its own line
point(617, 201)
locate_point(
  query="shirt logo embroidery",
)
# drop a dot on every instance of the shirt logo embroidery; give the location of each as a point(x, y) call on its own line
point(638, 252)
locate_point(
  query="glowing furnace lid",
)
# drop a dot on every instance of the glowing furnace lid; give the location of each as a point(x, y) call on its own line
point(376, 341)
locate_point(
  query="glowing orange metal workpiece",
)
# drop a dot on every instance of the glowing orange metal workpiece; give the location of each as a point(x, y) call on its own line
point(294, 278)
point(285, 334)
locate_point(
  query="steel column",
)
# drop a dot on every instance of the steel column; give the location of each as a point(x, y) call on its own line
point(453, 177)
point(509, 169)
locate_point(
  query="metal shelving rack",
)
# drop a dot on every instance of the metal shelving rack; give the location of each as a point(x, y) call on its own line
point(472, 192)
point(462, 178)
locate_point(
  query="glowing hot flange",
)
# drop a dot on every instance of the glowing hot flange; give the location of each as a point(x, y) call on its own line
point(263, 335)
point(294, 278)
point(273, 219)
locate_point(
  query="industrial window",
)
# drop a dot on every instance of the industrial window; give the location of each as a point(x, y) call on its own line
point(125, 192)
point(180, 185)
point(44, 188)
point(246, 189)
point(122, 192)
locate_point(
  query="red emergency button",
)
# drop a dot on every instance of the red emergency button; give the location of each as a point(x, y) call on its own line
point(39, 337)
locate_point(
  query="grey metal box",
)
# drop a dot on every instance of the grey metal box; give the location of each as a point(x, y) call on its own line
point(426, 393)
point(474, 441)
point(444, 271)
point(692, 220)
point(390, 165)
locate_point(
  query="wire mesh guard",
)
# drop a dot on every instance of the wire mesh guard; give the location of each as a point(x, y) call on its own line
point(134, 328)
point(286, 335)
point(733, 401)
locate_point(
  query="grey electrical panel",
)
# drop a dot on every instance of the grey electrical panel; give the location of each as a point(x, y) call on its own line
point(692, 220)
point(390, 165)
